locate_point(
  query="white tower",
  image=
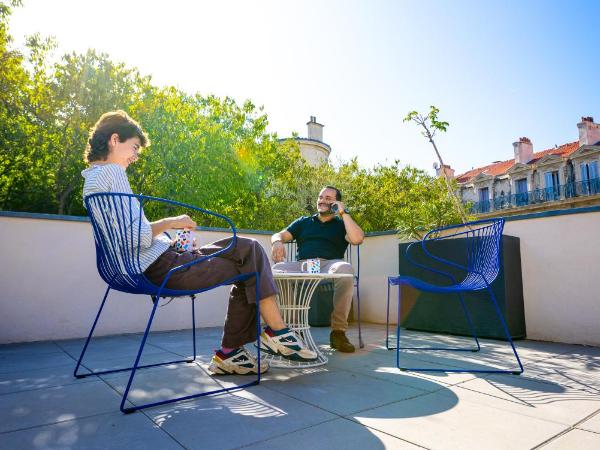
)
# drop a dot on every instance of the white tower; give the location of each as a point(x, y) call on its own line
point(312, 148)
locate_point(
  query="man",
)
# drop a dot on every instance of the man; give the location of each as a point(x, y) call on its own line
point(325, 236)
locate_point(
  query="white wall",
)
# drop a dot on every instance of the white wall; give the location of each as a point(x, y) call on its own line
point(51, 289)
point(561, 276)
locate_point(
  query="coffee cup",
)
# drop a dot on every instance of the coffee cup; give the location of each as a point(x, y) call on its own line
point(311, 266)
point(184, 241)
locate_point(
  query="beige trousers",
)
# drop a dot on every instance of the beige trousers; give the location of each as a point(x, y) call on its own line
point(343, 287)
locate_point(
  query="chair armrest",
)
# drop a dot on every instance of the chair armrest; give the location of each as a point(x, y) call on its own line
point(194, 208)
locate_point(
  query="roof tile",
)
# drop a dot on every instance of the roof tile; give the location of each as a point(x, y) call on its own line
point(502, 167)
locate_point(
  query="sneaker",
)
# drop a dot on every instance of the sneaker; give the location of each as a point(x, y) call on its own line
point(339, 341)
point(285, 343)
point(237, 362)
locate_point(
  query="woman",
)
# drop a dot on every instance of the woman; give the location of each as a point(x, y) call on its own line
point(114, 143)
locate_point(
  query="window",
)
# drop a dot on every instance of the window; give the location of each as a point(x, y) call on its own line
point(484, 200)
point(590, 184)
point(521, 188)
point(552, 186)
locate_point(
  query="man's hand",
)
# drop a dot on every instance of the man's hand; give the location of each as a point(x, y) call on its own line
point(183, 221)
point(341, 207)
point(278, 251)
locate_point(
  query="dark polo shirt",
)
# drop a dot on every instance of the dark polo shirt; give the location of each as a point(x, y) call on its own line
point(318, 239)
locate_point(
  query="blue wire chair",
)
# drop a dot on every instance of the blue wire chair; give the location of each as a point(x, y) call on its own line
point(116, 221)
point(483, 242)
point(348, 257)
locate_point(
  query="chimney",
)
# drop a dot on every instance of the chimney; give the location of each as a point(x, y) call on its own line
point(315, 130)
point(589, 132)
point(439, 171)
point(523, 150)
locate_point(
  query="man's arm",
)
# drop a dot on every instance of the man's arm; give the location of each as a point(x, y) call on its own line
point(277, 245)
point(354, 234)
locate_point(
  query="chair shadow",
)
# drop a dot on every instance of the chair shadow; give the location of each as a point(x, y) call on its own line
point(547, 385)
point(263, 408)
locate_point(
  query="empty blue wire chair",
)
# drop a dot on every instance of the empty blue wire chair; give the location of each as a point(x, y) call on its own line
point(116, 221)
point(483, 241)
point(349, 257)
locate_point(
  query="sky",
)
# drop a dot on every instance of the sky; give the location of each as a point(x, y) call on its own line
point(497, 70)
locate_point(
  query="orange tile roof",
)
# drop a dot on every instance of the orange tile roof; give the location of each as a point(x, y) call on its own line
point(502, 167)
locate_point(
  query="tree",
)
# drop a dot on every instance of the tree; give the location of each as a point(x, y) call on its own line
point(208, 151)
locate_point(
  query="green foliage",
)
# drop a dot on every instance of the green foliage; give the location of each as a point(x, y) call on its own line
point(211, 152)
point(431, 125)
point(429, 122)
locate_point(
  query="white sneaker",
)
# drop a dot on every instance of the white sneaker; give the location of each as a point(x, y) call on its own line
point(238, 362)
point(285, 343)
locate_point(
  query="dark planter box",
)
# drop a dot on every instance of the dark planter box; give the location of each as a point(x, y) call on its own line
point(425, 311)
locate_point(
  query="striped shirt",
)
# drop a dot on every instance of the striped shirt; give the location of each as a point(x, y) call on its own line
point(112, 178)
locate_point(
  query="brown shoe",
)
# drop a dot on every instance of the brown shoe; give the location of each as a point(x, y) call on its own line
point(339, 341)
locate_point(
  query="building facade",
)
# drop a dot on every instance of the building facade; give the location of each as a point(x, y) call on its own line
point(561, 177)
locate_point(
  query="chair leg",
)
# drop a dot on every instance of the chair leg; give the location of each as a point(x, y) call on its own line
point(508, 336)
point(258, 330)
point(361, 344)
point(452, 349)
point(193, 298)
point(458, 370)
point(75, 374)
point(134, 408)
point(124, 369)
point(469, 321)
point(387, 319)
point(398, 327)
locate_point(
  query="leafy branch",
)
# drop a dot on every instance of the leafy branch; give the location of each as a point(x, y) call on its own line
point(431, 125)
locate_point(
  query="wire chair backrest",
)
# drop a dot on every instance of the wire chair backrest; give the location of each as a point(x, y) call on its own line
point(117, 220)
point(482, 246)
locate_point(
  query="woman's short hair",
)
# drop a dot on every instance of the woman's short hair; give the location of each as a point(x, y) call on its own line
point(110, 123)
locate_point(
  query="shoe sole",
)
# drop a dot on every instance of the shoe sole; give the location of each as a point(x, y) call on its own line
point(342, 350)
point(218, 370)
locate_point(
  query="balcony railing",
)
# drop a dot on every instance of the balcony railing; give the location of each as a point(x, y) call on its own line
point(538, 196)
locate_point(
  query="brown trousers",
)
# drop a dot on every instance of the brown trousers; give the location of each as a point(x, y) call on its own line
point(247, 256)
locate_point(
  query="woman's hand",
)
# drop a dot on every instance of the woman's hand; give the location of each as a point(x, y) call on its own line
point(183, 221)
point(162, 225)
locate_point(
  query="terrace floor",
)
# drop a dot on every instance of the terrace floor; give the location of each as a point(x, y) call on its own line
point(357, 401)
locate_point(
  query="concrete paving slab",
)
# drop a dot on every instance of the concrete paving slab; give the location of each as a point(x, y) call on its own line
point(332, 434)
point(39, 379)
point(575, 439)
point(444, 420)
point(228, 421)
point(105, 431)
point(343, 392)
point(57, 404)
point(532, 398)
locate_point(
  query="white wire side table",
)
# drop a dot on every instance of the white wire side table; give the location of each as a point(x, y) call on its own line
point(295, 292)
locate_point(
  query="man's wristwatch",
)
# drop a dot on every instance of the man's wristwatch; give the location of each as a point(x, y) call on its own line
point(344, 211)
